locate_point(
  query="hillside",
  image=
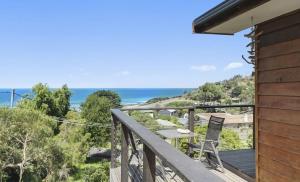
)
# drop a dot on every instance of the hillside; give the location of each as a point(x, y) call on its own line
point(239, 89)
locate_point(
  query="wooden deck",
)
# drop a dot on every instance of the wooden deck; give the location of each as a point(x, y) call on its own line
point(135, 175)
point(240, 162)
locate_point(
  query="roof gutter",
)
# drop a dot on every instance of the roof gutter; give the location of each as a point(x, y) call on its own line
point(223, 12)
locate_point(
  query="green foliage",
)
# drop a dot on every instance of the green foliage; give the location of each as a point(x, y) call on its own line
point(229, 139)
point(30, 151)
point(96, 111)
point(238, 88)
point(26, 146)
point(157, 99)
point(53, 103)
point(62, 101)
point(249, 141)
point(73, 142)
point(209, 92)
point(73, 115)
point(180, 104)
point(98, 172)
point(146, 120)
point(112, 96)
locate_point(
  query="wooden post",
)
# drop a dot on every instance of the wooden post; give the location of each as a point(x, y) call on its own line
point(148, 164)
point(155, 114)
point(191, 118)
point(124, 154)
point(129, 113)
point(114, 124)
point(253, 128)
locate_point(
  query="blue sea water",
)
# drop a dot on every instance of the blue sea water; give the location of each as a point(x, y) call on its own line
point(128, 95)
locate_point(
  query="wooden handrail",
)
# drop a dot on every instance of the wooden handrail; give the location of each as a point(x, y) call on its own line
point(187, 107)
point(182, 165)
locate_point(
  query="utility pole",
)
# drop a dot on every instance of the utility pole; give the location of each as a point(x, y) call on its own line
point(12, 98)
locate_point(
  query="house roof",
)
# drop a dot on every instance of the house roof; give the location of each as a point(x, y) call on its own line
point(232, 16)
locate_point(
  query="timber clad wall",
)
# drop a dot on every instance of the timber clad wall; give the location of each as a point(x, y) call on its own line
point(278, 99)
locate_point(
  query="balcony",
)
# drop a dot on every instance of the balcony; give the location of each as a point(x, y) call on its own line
point(139, 154)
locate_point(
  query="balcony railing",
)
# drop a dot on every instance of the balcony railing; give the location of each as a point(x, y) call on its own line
point(155, 147)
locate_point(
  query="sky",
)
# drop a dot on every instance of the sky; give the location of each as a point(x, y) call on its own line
point(113, 44)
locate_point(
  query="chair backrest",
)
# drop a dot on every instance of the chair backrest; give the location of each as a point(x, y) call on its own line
point(214, 129)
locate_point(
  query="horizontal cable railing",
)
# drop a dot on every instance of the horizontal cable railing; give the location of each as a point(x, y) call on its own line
point(191, 113)
point(153, 146)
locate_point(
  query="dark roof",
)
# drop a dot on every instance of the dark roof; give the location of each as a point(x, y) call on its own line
point(223, 12)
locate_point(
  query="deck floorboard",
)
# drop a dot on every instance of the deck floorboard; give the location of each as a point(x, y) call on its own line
point(240, 162)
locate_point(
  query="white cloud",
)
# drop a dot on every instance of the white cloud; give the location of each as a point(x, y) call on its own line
point(204, 68)
point(123, 73)
point(233, 65)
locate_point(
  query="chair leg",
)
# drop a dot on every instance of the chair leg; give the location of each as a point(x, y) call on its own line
point(218, 158)
point(207, 156)
point(201, 150)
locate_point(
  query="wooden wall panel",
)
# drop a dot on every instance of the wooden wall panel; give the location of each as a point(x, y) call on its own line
point(279, 89)
point(280, 154)
point(282, 35)
point(279, 102)
point(278, 99)
point(289, 145)
point(267, 176)
point(280, 169)
point(279, 115)
point(283, 48)
point(279, 62)
point(280, 75)
point(280, 129)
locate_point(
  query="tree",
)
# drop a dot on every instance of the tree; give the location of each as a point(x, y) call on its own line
point(62, 101)
point(209, 92)
point(96, 111)
point(73, 140)
point(27, 150)
point(53, 103)
point(112, 96)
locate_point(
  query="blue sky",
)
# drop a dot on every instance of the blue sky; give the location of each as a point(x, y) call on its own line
point(113, 44)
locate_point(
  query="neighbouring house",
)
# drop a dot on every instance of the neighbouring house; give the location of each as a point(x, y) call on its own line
point(168, 112)
point(274, 48)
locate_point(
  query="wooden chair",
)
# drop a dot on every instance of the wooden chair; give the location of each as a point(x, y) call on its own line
point(211, 142)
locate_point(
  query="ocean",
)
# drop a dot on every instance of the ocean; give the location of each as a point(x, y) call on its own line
point(128, 95)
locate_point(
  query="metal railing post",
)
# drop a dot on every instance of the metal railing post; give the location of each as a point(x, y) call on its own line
point(148, 164)
point(124, 154)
